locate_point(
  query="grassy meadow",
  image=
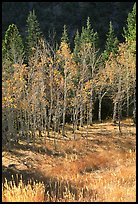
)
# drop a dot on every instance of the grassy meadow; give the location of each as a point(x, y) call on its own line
point(99, 165)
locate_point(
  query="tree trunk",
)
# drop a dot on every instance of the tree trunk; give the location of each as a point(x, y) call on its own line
point(75, 117)
point(100, 107)
point(119, 104)
point(100, 97)
point(57, 113)
point(46, 125)
point(134, 110)
point(128, 84)
point(28, 120)
point(119, 116)
point(91, 108)
point(81, 115)
point(64, 105)
point(87, 123)
point(81, 107)
point(34, 130)
point(127, 102)
point(51, 102)
point(73, 121)
point(55, 139)
point(114, 112)
point(10, 126)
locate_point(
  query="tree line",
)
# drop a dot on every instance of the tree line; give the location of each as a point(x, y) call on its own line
point(45, 84)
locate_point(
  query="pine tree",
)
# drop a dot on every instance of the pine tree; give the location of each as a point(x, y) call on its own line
point(87, 63)
point(12, 46)
point(130, 30)
point(33, 33)
point(88, 38)
point(88, 35)
point(64, 37)
point(76, 47)
point(111, 43)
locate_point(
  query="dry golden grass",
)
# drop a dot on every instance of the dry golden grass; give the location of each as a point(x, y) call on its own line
point(102, 169)
point(22, 192)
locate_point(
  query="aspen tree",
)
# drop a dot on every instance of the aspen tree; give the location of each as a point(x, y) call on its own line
point(89, 56)
point(67, 68)
point(111, 46)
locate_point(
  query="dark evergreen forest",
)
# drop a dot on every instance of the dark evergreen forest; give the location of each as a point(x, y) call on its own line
point(53, 15)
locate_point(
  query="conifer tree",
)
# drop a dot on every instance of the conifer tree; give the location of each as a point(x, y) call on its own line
point(130, 42)
point(12, 46)
point(64, 37)
point(12, 59)
point(130, 30)
point(88, 58)
point(111, 43)
point(76, 46)
point(33, 33)
point(88, 35)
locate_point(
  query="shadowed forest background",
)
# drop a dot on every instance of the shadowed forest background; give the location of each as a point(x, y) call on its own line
point(53, 15)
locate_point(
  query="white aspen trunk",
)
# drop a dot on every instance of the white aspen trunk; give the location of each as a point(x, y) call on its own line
point(17, 126)
point(87, 123)
point(12, 127)
point(81, 115)
point(100, 97)
point(57, 114)
point(114, 111)
point(51, 101)
point(21, 123)
point(55, 139)
point(100, 106)
point(58, 120)
point(76, 112)
point(93, 61)
point(42, 121)
point(75, 116)
point(119, 116)
point(127, 91)
point(27, 119)
point(127, 102)
point(73, 121)
point(81, 107)
point(28, 128)
point(9, 124)
point(91, 108)
point(119, 105)
point(134, 110)
point(25, 123)
point(34, 129)
point(64, 104)
point(45, 124)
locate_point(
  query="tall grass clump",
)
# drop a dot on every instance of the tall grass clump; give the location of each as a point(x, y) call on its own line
point(30, 192)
